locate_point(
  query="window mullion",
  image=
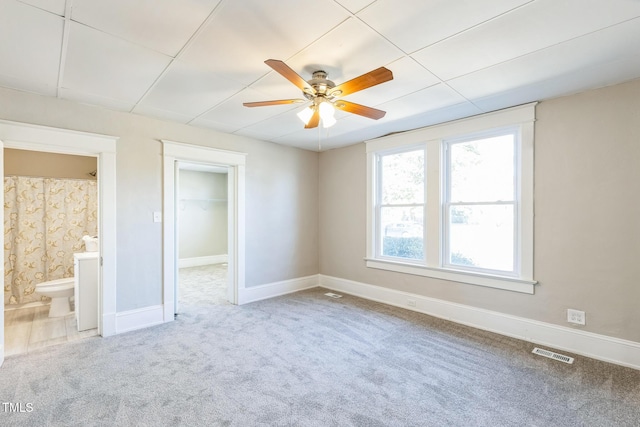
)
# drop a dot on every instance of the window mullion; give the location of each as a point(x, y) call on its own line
point(433, 211)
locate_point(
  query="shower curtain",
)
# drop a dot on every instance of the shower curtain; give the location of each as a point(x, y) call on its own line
point(44, 221)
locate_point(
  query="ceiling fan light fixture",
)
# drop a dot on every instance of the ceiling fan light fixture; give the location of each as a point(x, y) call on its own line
point(326, 109)
point(305, 115)
point(327, 112)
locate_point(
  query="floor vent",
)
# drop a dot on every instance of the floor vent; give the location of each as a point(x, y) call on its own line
point(332, 295)
point(552, 355)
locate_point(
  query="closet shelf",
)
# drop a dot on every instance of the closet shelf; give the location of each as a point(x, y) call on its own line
point(203, 200)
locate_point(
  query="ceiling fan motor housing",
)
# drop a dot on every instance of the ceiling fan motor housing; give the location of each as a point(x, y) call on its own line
point(321, 84)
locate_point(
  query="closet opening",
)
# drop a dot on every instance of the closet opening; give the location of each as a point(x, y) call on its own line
point(202, 221)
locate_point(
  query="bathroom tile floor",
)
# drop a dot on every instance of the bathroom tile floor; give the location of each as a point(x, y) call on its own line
point(31, 328)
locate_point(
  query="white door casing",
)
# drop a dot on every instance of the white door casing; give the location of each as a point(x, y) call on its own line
point(24, 136)
point(174, 152)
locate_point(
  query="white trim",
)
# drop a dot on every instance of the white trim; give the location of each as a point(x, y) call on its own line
point(471, 278)
point(270, 290)
point(495, 119)
point(64, 141)
point(432, 139)
point(174, 152)
point(202, 260)
point(596, 346)
point(139, 318)
point(26, 136)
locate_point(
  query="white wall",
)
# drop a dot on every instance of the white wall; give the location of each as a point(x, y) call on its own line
point(281, 193)
point(587, 170)
point(202, 214)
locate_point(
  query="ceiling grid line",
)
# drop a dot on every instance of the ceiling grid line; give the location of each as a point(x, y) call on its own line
point(263, 76)
point(189, 42)
point(65, 44)
point(197, 62)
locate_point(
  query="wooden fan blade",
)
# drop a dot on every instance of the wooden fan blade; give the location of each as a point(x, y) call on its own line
point(290, 75)
point(372, 78)
point(315, 119)
point(277, 102)
point(361, 110)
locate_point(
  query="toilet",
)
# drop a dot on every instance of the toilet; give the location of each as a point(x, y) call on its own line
point(59, 290)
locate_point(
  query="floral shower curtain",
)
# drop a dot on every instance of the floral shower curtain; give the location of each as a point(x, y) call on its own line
point(44, 221)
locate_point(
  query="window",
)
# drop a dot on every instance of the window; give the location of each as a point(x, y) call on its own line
point(480, 203)
point(400, 210)
point(455, 201)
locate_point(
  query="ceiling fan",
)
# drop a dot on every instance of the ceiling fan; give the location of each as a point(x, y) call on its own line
point(325, 95)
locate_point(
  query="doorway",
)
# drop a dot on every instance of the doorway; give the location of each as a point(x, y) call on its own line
point(50, 207)
point(176, 154)
point(24, 136)
point(202, 214)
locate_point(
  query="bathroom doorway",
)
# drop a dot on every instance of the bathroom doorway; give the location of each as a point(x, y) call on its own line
point(51, 214)
point(26, 136)
point(202, 235)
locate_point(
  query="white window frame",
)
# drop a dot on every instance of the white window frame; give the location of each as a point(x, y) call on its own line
point(432, 138)
point(379, 206)
point(446, 198)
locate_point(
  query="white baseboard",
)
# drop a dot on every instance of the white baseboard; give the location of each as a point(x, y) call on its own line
point(202, 260)
point(139, 318)
point(108, 325)
point(270, 290)
point(596, 346)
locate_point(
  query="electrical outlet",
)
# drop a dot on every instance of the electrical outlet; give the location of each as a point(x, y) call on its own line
point(411, 302)
point(576, 316)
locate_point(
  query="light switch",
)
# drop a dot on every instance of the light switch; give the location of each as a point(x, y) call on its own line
point(157, 217)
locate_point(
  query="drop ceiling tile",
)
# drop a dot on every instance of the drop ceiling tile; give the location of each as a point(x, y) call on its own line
point(431, 98)
point(30, 46)
point(161, 25)
point(568, 58)
point(242, 35)
point(159, 113)
point(105, 66)
point(188, 90)
point(535, 26)
point(234, 113)
point(355, 6)
point(414, 24)
point(437, 116)
point(346, 52)
point(273, 127)
point(275, 86)
point(601, 75)
point(220, 127)
point(28, 85)
point(102, 101)
point(53, 6)
point(408, 77)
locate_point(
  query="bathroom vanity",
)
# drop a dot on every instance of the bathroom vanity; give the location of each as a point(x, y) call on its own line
point(85, 266)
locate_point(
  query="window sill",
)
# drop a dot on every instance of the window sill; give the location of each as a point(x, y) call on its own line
point(506, 283)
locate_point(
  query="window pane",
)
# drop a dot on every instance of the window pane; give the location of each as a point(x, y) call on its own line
point(403, 178)
point(402, 232)
point(482, 170)
point(481, 236)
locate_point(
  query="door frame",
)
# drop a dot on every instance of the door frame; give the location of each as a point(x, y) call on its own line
point(26, 136)
point(174, 153)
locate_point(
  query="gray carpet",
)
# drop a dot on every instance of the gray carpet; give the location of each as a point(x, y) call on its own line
point(205, 284)
point(308, 360)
